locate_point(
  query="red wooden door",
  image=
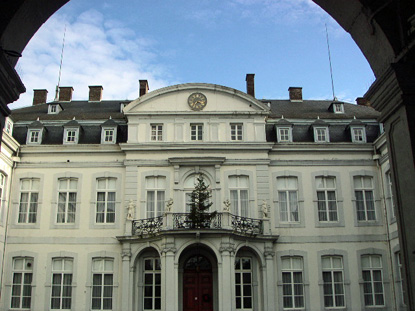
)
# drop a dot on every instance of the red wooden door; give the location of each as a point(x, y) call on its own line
point(197, 290)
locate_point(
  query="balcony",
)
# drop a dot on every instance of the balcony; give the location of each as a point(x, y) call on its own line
point(181, 222)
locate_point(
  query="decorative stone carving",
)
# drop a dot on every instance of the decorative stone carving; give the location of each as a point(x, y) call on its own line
point(126, 255)
point(227, 247)
point(269, 253)
point(226, 205)
point(169, 205)
point(265, 209)
point(130, 210)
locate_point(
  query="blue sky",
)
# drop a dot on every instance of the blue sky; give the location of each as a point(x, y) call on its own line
point(115, 43)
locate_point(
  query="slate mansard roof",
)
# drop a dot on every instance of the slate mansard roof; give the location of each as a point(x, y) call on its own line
point(300, 115)
point(90, 116)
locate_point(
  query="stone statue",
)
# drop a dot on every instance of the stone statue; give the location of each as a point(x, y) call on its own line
point(130, 210)
point(265, 209)
point(169, 205)
point(226, 205)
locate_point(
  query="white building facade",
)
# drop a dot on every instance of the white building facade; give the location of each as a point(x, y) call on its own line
point(97, 217)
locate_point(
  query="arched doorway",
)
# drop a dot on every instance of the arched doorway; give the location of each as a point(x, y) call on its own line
point(198, 279)
point(197, 284)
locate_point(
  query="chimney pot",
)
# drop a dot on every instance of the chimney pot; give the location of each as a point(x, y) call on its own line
point(362, 101)
point(95, 93)
point(296, 94)
point(250, 84)
point(143, 87)
point(65, 93)
point(40, 97)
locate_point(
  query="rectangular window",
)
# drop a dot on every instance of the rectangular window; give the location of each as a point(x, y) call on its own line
point(284, 134)
point(53, 109)
point(67, 188)
point(358, 135)
point(34, 136)
point(109, 135)
point(152, 284)
point(401, 286)
point(22, 283)
point(155, 188)
point(288, 198)
point(62, 269)
point(106, 200)
point(70, 136)
point(372, 280)
point(238, 187)
point(333, 279)
point(365, 205)
point(9, 127)
point(102, 283)
point(326, 198)
point(321, 135)
point(196, 131)
point(243, 283)
point(292, 282)
point(29, 196)
point(338, 108)
point(236, 131)
point(157, 132)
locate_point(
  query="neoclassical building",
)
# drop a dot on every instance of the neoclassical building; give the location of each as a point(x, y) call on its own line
point(95, 203)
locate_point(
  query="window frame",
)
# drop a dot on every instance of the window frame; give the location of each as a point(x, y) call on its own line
point(292, 283)
point(3, 202)
point(365, 191)
point(355, 137)
point(154, 284)
point(288, 192)
point(68, 191)
point(31, 134)
point(338, 107)
point(332, 270)
point(237, 210)
point(29, 203)
point(371, 283)
point(236, 131)
point(66, 136)
point(61, 284)
point(104, 135)
point(242, 272)
point(26, 261)
point(156, 132)
point(106, 200)
point(196, 132)
point(162, 190)
point(102, 273)
point(316, 130)
point(9, 126)
point(325, 190)
point(289, 134)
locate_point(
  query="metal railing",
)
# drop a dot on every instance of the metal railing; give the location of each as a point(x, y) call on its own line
point(149, 226)
point(183, 221)
point(247, 226)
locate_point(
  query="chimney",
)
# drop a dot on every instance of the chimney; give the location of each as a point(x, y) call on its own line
point(95, 93)
point(65, 93)
point(296, 94)
point(143, 87)
point(250, 84)
point(362, 101)
point(39, 97)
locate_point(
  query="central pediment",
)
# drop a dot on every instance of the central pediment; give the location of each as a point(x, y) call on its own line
point(196, 98)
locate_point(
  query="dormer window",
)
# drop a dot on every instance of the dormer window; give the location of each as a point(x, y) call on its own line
point(109, 132)
point(321, 134)
point(284, 134)
point(358, 134)
point(54, 108)
point(34, 136)
point(35, 133)
point(71, 136)
point(338, 107)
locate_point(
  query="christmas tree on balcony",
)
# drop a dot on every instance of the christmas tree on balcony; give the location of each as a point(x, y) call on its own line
point(200, 204)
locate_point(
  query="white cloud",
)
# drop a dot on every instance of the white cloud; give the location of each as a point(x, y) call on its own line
point(97, 52)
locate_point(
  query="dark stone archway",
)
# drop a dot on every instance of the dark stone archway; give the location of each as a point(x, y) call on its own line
point(384, 30)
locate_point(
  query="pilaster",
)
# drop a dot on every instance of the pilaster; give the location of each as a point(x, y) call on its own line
point(227, 276)
point(169, 277)
point(126, 290)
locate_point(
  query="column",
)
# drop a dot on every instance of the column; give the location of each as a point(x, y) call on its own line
point(227, 276)
point(169, 282)
point(125, 283)
point(270, 290)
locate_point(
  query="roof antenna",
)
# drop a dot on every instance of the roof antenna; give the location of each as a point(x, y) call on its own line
point(331, 69)
point(60, 67)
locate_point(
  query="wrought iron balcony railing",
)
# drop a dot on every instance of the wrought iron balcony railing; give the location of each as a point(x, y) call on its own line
point(182, 221)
